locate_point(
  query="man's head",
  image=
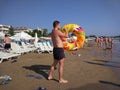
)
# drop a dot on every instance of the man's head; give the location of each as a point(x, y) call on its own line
point(6, 35)
point(56, 24)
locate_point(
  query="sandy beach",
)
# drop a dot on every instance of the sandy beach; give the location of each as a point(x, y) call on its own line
point(89, 71)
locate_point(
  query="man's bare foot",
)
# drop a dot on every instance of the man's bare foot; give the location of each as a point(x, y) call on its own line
point(63, 81)
point(50, 78)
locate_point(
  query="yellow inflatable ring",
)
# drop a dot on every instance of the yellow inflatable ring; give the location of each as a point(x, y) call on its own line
point(78, 32)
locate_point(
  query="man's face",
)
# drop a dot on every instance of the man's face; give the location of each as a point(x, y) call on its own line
point(58, 26)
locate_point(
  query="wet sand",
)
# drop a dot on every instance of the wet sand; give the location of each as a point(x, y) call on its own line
point(90, 71)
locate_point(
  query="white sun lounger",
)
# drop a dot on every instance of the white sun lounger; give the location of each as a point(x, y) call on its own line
point(25, 47)
point(30, 45)
point(47, 47)
point(7, 56)
point(36, 45)
point(41, 48)
point(44, 48)
point(17, 49)
point(3, 56)
point(51, 47)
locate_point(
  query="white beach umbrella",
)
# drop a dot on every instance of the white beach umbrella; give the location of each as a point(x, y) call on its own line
point(21, 35)
point(2, 35)
point(36, 37)
point(15, 38)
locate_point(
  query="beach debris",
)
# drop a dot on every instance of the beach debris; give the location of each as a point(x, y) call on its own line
point(6, 80)
point(79, 55)
point(30, 75)
point(33, 76)
point(38, 77)
point(41, 88)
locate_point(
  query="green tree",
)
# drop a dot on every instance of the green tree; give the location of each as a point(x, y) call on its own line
point(39, 33)
point(49, 34)
point(11, 31)
point(92, 36)
point(32, 33)
point(29, 32)
point(45, 32)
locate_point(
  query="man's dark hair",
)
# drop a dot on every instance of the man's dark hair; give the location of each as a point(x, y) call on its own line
point(6, 35)
point(55, 23)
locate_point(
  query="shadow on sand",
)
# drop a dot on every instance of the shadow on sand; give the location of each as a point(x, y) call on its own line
point(102, 64)
point(40, 69)
point(109, 83)
point(95, 86)
point(106, 61)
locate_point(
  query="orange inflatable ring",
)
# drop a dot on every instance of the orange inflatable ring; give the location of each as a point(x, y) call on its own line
point(78, 32)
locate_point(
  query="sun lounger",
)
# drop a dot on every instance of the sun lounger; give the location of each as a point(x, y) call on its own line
point(17, 49)
point(7, 56)
point(25, 47)
point(36, 45)
point(47, 47)
point(2, 57)
point(51, 47)
point(44, 48)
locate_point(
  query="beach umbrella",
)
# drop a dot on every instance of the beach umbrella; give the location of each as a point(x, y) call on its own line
point(21, 35)
point(36, 37)
point(2, 35)
point(15, 38)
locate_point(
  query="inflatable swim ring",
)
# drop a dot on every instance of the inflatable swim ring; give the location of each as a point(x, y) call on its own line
point(78, 32)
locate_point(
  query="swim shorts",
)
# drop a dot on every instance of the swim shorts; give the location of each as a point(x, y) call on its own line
point(58, 53)
point(7, 46)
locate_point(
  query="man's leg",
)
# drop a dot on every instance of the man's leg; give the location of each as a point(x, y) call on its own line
point(52, 69)
point(61, 67)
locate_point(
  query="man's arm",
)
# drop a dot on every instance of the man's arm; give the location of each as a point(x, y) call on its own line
point(63, 34)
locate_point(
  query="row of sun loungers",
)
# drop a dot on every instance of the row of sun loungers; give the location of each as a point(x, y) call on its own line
point(43, 47)
point(17, 50)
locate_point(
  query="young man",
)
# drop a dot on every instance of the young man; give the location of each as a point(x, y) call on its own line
point(7, 42)
point(58, 51)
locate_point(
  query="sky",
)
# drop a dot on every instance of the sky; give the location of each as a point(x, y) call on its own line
point(96, 17)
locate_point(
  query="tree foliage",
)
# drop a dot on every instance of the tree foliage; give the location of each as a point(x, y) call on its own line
point(45, 32)
point(39, 33)
point(11, 31)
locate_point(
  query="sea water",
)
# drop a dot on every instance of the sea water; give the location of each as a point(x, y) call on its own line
point(115, 59)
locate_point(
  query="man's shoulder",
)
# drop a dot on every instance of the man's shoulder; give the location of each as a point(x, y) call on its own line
point(55, 31)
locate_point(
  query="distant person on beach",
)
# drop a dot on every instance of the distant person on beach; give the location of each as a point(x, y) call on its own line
point(7, 42)
point(101, 42)
point(58, 51)
point(96, 41)
point(110, 43)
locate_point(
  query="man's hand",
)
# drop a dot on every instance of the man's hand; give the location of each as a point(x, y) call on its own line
point(63, 34)
point(66, 32)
